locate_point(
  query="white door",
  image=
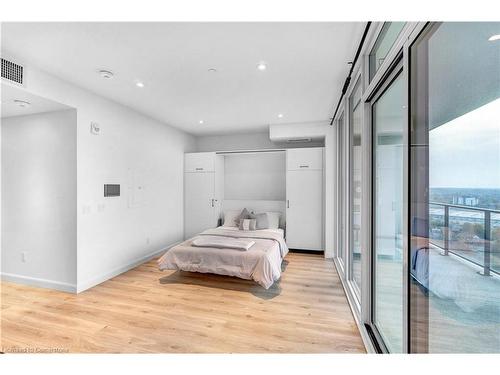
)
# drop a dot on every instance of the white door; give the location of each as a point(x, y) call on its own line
point(199, 211)
point(304, 190)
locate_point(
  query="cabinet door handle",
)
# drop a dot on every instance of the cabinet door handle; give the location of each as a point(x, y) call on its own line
point(199, 169)
point(304, 166)
point(287, 203)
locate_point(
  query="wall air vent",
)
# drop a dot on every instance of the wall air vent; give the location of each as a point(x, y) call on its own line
point(12, 72)
point(298, 140)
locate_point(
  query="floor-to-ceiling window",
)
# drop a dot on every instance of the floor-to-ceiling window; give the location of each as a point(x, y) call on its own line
point(388, 126)
point(455, 189)
point(432, 269)
point(355, 186)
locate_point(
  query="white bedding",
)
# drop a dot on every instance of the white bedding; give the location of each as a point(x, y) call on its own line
point(261, 262)
point(219, 242)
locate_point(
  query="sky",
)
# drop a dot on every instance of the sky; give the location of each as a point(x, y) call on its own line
point(465, 152)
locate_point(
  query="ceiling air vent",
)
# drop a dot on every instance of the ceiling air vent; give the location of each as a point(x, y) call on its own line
point(12, 72)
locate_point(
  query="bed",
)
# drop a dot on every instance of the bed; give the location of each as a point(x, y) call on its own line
point(261, 262)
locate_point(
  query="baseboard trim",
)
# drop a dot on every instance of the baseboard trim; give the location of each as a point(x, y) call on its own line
point(301, 251)
point(81, 287)
point(38, 282)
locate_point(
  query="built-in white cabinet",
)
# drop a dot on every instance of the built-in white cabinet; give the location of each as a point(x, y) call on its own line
point(299, 159)
point(200, 162)
point(203, 172)
point(304, 194)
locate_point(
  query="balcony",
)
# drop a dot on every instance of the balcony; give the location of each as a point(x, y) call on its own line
point(464, 278)
point(471, 233)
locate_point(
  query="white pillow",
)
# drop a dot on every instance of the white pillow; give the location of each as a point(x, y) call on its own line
point(273, 219)
point(230, 218)
point(247, 224)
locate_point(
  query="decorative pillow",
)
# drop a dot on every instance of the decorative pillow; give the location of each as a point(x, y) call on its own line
point(245, 214)
point(232, 218)
point(262, 222)
point(247, 224)
point(274, 219)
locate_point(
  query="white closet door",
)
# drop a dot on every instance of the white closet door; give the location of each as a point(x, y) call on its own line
point(199, 213)
point(304, 190)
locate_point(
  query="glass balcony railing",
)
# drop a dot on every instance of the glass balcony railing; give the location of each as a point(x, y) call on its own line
point(471, 233)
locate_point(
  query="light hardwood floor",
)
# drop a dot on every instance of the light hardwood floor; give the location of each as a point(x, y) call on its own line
point(145, 310)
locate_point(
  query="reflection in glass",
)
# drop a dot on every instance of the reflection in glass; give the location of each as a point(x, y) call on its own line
point(495, 242)
point(455, 190)
point(388, 126)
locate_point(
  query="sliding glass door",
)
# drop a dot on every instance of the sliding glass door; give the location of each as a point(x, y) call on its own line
point(420, 250)
point(355, 187)
point(341, 190)
point(455, 189)
point(388, 126)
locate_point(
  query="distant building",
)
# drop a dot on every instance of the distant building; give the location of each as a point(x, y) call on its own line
point(471, 201)
point(465, 201)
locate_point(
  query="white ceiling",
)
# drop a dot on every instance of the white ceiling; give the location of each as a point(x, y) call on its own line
point(37, 104)
point(307, 65)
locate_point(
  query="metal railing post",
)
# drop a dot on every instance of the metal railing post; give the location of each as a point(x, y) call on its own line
point(487, 244)
point(446, 229)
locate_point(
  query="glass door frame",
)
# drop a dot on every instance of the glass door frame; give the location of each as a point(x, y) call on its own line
point(396, 71)
point(355, 289)
point(362, 307)
point(340, 208)
point(395, 65)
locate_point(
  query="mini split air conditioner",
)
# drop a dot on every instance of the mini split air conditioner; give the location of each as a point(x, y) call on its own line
point(298, 133)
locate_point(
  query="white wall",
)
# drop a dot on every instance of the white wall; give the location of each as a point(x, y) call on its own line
point(251, 141)
point(114, 234)
point(137, 153)
point(39, 199)
point(257, 176)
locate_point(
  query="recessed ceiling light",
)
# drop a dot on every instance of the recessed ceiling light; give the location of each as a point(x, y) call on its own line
point(106, 74)
point(494, 37)
point(280, 115)
point(201, 122)
point(212, 70)
point(139, 84)
point(262, 66)
point(22, 103)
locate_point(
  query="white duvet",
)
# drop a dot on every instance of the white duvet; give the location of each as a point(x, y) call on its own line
point(220, 242)
point(261, 262)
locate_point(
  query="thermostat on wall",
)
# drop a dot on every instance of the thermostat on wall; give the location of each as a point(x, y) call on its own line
point(95, 128)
